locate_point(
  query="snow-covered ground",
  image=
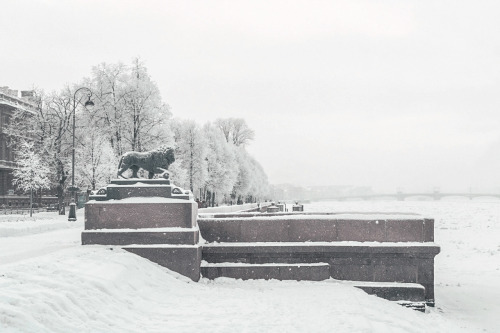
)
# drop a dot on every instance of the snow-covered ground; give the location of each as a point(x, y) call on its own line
point(50, 283)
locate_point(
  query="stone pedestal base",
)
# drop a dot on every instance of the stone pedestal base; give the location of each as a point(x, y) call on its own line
point(149, 217)
point(137, 213)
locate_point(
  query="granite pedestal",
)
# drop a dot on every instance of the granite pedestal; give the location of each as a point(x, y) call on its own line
point(149, 217)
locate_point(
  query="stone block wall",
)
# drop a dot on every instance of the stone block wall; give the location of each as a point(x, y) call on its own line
point(317, 228)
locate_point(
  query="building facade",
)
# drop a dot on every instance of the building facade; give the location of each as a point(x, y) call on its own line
point(10, 101)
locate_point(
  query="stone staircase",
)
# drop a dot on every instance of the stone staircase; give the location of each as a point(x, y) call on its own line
point(389, 255)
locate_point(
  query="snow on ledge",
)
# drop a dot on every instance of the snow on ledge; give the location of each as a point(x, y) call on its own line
point(173, 229)
point(140, 184)
point(135, 200)
point(382, 284)
point(343, 243)
point(241, 264)
point(323, 216)
point(158, 246)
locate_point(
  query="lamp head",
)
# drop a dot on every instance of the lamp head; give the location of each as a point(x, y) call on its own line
point(89, 104)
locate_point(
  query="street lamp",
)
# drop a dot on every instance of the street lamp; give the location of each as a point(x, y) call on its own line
point(73, 188)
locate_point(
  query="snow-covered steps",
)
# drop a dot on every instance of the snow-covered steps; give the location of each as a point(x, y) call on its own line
point(279, 271)
point(188, 236)
point(411, 295)
point(404, 262)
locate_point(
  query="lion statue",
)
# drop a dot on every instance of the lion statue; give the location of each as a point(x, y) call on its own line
point(155, 162)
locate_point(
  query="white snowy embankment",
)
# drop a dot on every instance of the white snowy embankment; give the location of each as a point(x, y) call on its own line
point(50, 283)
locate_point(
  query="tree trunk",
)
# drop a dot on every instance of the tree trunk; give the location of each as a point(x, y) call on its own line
point(60, 194)
point(31, 202)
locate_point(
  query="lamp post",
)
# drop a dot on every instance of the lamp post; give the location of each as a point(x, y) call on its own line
point(73, 188)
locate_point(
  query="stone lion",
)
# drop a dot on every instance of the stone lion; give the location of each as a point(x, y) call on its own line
point(155, 162)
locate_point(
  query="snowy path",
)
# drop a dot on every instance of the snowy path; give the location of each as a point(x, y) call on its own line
point(38, 236)
point(15, 249)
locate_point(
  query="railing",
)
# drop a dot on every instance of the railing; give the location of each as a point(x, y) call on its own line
point(233, 208)
point(24, 210)
point(19, 210)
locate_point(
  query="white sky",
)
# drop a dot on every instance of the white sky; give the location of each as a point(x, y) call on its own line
point(390, 94)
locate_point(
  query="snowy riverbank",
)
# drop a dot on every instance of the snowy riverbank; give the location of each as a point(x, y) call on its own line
point(50, 283)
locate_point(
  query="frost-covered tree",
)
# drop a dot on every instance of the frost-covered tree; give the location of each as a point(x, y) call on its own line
point(147, 115)
point(178, 174)
point(235, 130)
point(109, 83)
point(222, 168)
point(191, 153)
point(259, 186)
point(97, 163)
point(32, 173)
point(130, 108)
point(251, 184)
point(49, 125)
point(242, 184)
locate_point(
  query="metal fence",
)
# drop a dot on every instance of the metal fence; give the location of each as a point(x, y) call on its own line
point(24, 211)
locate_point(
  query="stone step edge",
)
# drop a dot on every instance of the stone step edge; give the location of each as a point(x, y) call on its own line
point(296, 272)
point(247, 265)
point(160, 246)
point(153, 230)
point(427, 248)
point(149, 236)
point(350, 213)
point(315, 244)
point(374, 284)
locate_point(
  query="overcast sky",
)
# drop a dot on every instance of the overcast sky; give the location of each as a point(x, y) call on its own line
point(389, 94)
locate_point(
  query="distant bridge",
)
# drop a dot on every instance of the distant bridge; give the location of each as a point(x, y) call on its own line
point(402, 196)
